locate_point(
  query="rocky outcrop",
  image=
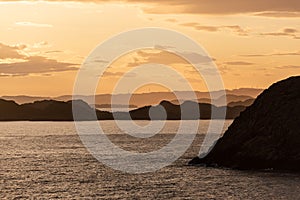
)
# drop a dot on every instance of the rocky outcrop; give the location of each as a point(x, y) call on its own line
point(266, 135)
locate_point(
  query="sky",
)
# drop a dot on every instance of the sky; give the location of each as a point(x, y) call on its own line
point(44, 43)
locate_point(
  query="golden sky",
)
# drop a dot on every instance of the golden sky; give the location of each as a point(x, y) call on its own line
point(43, 43)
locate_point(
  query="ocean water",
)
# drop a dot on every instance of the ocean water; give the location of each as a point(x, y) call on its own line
point(47, 160)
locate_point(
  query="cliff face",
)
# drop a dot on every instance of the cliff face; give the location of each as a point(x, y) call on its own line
point(265, 135)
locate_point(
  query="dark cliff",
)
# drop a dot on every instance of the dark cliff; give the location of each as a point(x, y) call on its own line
point(266, 135)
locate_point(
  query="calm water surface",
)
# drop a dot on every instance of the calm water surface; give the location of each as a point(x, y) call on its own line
point(47, 160)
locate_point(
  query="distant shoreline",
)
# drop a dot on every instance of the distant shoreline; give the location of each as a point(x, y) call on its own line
point(78, 110)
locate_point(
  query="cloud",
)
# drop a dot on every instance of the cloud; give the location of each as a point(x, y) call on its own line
point(100, 61)
point(113, 74)
point(224, 7)
point(289, 32)
point(297, 53)
point(213, 71)
point(12, 52)
point(171, 20)
point(119, 74)
point(54, 51)
point(201, 28)
point(35, 65)
point(42, 44)
point(190, 79)
point(208, 71)
point(32, 24)
point(278, 14)
point(238, 63)
point(289, 67)
point(130, 74)
point(164, 57)
point(237, 29)
point(268, 74)
point(274, 8)
point(23, 65)
point(164, 47)
point(4, 75)
point(204, 71)
point(195, 58)
point(233, 28)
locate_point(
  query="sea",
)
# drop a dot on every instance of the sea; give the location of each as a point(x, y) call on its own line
point(47, 160)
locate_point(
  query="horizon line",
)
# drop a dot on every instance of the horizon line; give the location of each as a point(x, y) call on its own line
point(28, 95)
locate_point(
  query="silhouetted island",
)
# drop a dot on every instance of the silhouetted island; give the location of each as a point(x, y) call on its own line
point(48, 110)
point(52, 110)
point(265, 136)
point(144, 99)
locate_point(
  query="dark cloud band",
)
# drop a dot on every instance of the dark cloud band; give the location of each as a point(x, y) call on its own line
point(270, 8)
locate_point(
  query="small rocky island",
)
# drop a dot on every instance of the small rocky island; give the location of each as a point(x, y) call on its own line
point(265, 136)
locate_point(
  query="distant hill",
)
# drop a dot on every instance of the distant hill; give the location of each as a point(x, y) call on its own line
point(230, 98)
point(46, 110)
point(173, 111)
point(245, 103)
point(112, 106)
point(140, 99)
point(253, 92)
point(9, 110)
point(52, 110)
point(21, 99)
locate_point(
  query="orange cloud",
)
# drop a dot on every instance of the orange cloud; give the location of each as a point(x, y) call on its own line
point(270, 8)
point(297, 53)
point(164, 57)
point(28, 64)
point(227, 7)
point(35, 65)
point(280, 14)
point(238, 63)
point(12, 52)
point(290, 32)
point(234, 28)
point(289, 67)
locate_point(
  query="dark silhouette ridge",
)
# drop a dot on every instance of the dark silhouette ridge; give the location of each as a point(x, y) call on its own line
point(266, 135)
point(47, 110)
point(51, 110)
point(9, 110)
point(229, 98)
point(173, 111)
point(245, 103)
point(114, 106)
point(143, 99)
point(21, 99)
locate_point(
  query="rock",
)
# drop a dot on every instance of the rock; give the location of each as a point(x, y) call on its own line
point(265, 136)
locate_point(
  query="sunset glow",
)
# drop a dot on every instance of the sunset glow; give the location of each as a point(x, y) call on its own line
point(43, 43)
